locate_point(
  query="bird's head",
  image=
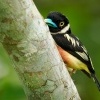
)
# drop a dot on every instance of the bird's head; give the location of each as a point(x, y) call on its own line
point(57, 23)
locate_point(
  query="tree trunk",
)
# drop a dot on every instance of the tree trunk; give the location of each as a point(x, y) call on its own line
point(26, 38)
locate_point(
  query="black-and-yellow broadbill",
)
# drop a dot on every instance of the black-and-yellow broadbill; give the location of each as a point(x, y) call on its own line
point(71, 49)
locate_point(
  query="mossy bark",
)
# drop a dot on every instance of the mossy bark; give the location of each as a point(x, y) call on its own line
point(30, 46)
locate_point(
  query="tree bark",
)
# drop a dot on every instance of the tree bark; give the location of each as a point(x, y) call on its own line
point(26, 38)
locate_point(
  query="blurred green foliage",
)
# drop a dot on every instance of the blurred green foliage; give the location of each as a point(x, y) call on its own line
point(84, 18)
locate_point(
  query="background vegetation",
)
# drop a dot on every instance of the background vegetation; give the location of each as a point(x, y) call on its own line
point(84, 18)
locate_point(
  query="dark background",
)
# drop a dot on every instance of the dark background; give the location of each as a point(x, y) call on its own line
point(84, 16)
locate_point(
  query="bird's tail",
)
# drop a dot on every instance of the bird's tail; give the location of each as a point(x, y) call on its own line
point(96, 81)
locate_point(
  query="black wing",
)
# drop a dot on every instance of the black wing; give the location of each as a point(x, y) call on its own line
point(73, 45)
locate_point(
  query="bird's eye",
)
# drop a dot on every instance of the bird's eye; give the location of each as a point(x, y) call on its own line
point(61, 24)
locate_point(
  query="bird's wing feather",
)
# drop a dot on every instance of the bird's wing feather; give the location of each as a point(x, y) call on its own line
point(73, 45)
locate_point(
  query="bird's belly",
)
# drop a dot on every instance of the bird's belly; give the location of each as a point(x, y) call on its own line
point(72, 61)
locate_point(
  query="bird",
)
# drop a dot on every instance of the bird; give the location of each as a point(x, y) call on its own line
point(71, 49)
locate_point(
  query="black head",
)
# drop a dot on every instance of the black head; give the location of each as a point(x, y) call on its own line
point(57, 22)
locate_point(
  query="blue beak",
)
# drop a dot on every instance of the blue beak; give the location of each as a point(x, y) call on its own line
point(49, 22)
